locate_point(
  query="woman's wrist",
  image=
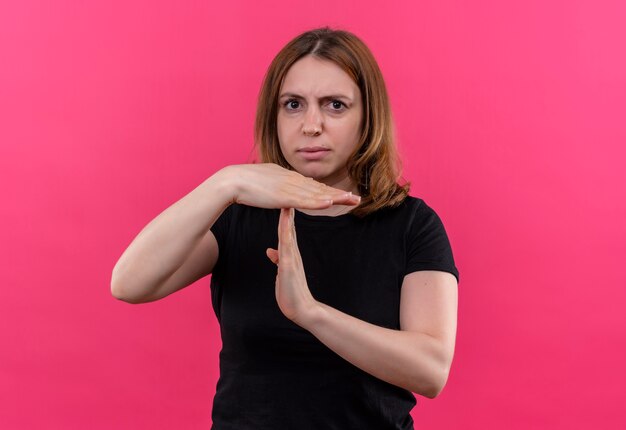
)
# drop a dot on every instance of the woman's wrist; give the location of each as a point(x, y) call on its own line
point(226, 184)
point(311, 316)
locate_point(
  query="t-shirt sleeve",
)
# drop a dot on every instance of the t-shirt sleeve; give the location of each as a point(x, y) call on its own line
point(220, 229)
point(428, 247)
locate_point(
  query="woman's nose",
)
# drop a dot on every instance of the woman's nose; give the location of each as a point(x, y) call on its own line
point(312, 125)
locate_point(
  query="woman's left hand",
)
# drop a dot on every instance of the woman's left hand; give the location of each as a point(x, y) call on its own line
point(292, 292)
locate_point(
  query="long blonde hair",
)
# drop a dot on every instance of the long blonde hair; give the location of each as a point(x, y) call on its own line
point(374, 166)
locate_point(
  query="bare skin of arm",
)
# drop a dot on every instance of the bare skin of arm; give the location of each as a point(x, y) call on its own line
point(417, 357)
point(177, 247)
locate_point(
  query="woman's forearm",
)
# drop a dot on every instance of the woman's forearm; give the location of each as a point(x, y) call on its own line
point(411, 360)
point(174, 248)
point(166, 242)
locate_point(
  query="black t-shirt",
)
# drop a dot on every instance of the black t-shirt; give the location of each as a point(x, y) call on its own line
point(275, 374)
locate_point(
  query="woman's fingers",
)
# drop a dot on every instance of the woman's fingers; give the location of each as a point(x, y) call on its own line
point(323, 190)
point(292, 293)
point(347, 199)
point(286, 234)
point(283, 225)
point(272, 254)
point(308, 188)
point(315, 195)
point(271, 186)
point(324, 203)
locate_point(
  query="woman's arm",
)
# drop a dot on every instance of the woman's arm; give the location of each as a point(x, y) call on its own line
point(177, 247)
point(417, 357)
point(410, 358)
point(176, 239)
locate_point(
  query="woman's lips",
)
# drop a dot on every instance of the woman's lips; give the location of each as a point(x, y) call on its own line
point(313, 153)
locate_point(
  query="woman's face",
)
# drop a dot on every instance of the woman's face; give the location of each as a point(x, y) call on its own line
point(319, 120)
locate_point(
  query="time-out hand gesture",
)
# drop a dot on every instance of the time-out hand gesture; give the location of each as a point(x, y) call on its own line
point(270, 186)
point(292, 291)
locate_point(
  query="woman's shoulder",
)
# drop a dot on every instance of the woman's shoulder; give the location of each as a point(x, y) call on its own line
point(413, 202)
point(417, 204)
point(412, 211)
point(410, 205)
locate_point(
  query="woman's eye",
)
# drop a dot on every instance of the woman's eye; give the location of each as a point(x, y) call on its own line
point(292, 104)
point(337, 105)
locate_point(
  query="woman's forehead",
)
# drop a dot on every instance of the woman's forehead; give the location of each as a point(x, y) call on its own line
point(311, 76)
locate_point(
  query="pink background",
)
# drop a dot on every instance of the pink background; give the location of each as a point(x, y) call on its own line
point(511, 122)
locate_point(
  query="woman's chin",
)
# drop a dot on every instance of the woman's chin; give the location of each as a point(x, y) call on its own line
point(321, 173)
point(315, 172)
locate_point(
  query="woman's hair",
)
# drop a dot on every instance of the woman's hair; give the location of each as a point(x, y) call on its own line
point(374, 166)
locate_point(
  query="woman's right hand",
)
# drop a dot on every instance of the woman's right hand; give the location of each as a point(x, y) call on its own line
point(271, 186)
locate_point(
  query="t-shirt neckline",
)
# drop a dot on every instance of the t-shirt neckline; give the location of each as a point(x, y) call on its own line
point(304, 218)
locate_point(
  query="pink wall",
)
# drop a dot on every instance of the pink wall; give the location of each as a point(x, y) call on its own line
point(511, 121)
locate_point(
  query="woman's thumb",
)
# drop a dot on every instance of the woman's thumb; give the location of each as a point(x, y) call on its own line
point(272, 254)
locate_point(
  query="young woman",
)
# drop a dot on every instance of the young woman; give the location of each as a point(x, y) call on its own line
point(335, 290)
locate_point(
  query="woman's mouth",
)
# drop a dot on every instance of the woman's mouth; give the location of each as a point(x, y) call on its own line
point(313, 153)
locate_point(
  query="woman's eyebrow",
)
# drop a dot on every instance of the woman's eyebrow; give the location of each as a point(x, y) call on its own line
point(330, 96)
